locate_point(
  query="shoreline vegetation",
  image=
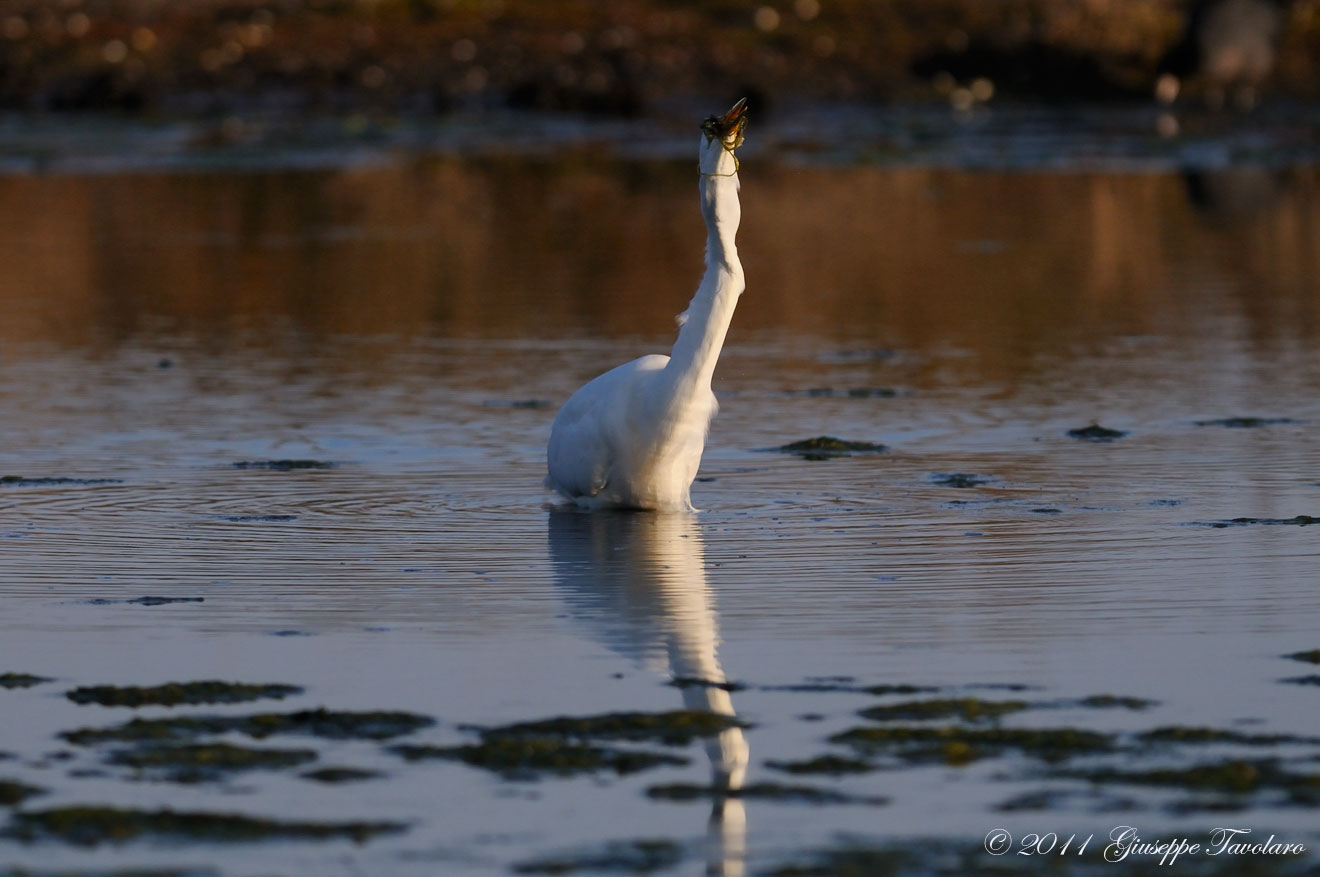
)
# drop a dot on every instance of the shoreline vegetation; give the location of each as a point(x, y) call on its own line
point(628, 58)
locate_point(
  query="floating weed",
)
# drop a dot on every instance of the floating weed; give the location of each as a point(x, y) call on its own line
point(195, 763)
point(675, 728)
point(528, 758)
point(1096, 433)
point(20, 680)
point(957, 745)
point(176, 693)
point(1185, 734)
point(318, 723)
point(1311, 657)
point(693, 682)
point(1233, 776)
point(760, 792)
point(20, 481)
point(146, 601)
point(91, 826)
point(13, 792)
point(1302, 680)
point(336, 775)
point(1247, 422)
point(258, 519)
point(959, 479)
point(631, 857)
point(968, 709)
point(285, 465)
point(1109, 701)
point(830, 765)
point(827, 447)
point(1298, 521)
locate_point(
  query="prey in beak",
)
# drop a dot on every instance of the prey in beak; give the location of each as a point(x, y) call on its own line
point(728, 129)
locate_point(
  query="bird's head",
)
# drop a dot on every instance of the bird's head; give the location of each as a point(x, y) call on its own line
point(721, 135)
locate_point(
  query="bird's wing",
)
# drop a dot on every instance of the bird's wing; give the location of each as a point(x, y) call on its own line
point(580, 456)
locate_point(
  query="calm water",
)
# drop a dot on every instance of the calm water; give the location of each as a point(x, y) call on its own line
point(416, 322)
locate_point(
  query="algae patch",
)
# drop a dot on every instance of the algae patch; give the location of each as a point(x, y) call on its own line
point(195, 763)
point(176, 693)
point(642, 856)
point(968, 709)
point(676, 728)
point(828, 765)
point(827, 447)
point(1096, 433)
point(1233, 776)
point(20, 680)
point(1247, 422)
point(959, 479)
point(1311, 657)
point(1298, 521)
point(1189, 734)
point(527, 758)
point(13, 792)
point(336, 775)
point(285, 465)
point(957, 745)
point(329, 724)
point(91, 826)
point(761, 792)
point(21, 481)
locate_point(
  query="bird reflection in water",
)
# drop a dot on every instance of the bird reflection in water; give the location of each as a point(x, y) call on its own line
point(638, 581)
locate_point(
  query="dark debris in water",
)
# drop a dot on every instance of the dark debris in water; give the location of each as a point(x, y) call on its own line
point(529, 758)
point(1247, 422)
point(176, 693)
point(676, 728)
point(693, 682)
point(13, 792)
point(760, 792)
point(959, 479)
point(643, 856)
point(336, 775)
point(92, 826)
point(1096, 433)
point(258, 519)
point(829, 765)
point(827, 447)
point(196, 763)
point(958, 745)
point(967, 709)
point(529, 404)
point(849, 393)
point(146, 601)
point(325, 723)
point(20, 680)
point(1302, 680)
point(1232, 776)
point(285, 465)
point(1189, 734)
point(1311, 657)
point(21, 481)
point(1108, 701)
point(1299, 521)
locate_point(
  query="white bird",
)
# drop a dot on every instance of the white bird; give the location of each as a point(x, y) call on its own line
point(633, 437)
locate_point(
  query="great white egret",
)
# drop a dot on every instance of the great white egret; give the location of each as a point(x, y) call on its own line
point(633, 437)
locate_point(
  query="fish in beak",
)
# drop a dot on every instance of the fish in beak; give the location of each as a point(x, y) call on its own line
point(729, 127)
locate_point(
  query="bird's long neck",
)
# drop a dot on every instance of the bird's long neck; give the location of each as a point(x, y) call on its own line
point(692, 361)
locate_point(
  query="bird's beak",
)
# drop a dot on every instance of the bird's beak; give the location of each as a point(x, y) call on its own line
point(729, 127)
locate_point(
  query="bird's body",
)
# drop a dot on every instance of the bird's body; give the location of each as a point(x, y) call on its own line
point(633, 437)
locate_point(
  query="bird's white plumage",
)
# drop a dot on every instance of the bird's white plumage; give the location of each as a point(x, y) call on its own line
point(633, 437)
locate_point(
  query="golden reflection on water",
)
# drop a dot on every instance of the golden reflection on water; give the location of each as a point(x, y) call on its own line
point(1005, 266)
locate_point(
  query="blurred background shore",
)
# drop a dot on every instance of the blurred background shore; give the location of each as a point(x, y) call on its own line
point(626, 58)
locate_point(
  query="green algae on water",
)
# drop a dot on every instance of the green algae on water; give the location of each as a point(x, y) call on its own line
point(676, 728)
point(1107, 701)
point(176, 693)
point(528, 758)
point(194, 763)
point(285, 465)
point(643, 856)
point(1311, 657)
point(337, 775)
point(20, 680)
point(829, 765)
point(959, 479)
point(325, 723)
point(958, 745)
point(1189, 734)
point(1233, 776)
point(13, 792)
point(761, 792)
point(826, 447)
point(92, 826)
point(1096, 433)
point(968, 709)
